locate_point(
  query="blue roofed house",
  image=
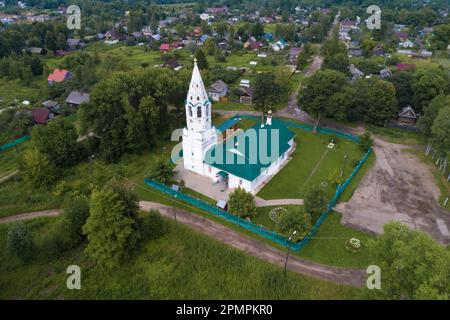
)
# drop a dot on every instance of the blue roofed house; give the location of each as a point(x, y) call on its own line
point(245, 159)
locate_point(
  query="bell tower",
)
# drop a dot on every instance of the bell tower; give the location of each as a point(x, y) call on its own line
point(198, 135)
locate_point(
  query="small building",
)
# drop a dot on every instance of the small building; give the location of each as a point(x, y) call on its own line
point(294, 53)
point(356, 52)
point(355, 72)
point(59, 75)
point(164, 47)
point(246, 96)
point(37, 50)
point(217, 90)
point(407, 115)
point(405, 67)
point(385, 73)
point(244, 83)
point(378, 50)
point(51, 105)
point(76, 98)
point(172, 64)
point(42, 115)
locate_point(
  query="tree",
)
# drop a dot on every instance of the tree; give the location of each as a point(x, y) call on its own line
point(381, 102)
point(241, 203)
point(161, 170)
point(75, 214)
point(153, 225)
point(440, 130)
point(338, 62)
point(314, 99)
point(431, 110)
point(403, 91)
point(365, 141)
point(440, 36)
point(37, 169)
point(202, 63)
point(19, 241)
point(414, 266)
point(427, 84)
point(265, 92)
point(315, 202)
point(295, 219)
point(112, 233)
point(129, 111)
point(209, 46)
point(58, 142)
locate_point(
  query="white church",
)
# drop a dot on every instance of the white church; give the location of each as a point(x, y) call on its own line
point(243, 159)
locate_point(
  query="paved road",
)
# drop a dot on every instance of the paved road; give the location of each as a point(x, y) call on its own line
point(253, 247)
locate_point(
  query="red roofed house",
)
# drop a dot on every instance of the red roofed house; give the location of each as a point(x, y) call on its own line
point(164, 47)
point(59, 75)
point(405, 67)
point(42, 115)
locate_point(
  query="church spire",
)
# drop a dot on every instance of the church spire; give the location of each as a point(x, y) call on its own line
point(198, 106)
point(197, 92)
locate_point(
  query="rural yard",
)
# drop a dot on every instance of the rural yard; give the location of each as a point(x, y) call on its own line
point(398, 187)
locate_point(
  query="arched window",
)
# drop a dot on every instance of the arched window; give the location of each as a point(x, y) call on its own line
point(198, 98)
point(199, 112)
point(190, 111)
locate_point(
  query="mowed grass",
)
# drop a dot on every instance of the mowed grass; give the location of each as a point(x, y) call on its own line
point(180, 265)
point(327, 246)
point(312, 164)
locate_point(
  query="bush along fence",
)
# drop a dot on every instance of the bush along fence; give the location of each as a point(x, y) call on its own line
point(266, 233)
point(14, 143)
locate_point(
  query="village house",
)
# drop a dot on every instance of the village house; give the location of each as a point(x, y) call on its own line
point(279, 45)
point(355, 72)
point(164, 47)
point(37, 50)
point(217, 91)
point(51, 105)
point(42, 115)
point(76, 98)
point(246, 95)
point(407, 115)
point(294, 53)
point(59, 75)
point(405, 67)
point(385, 73)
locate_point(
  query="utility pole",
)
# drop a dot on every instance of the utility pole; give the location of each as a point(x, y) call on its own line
point(173, 207)
point(288, 251)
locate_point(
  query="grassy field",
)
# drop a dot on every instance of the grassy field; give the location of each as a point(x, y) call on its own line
point(311, 164)
point(395, 135)
point(180, 265)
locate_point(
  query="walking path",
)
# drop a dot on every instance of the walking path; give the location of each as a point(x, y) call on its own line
point(260, 202)
point(12, 174)
point(253, 247)
point(31, 215)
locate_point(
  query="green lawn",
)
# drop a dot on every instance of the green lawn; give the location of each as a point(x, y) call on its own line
point(311, 164)
point(181, 265)
point(327, 246)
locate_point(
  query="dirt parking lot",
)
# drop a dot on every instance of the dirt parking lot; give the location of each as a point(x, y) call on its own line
point(398, 187)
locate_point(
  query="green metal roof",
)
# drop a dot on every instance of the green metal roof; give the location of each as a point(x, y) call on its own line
point(240, 159)
point(229, 123)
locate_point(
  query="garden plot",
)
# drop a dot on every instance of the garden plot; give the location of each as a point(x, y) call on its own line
point(314, 162)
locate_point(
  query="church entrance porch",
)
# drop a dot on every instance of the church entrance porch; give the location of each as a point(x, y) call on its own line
point(202, 184)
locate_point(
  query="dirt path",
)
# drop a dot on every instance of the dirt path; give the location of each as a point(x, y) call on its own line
point(398, 187)
point(351, 277)
point(31, 215)
point(10, 175)
point(253, 247)
point(260, 202)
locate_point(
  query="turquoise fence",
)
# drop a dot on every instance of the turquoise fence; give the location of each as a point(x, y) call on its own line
point(266, 233)
point(14, 143)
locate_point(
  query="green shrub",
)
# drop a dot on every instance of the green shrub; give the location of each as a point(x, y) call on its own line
point(153, 226)
point(75, 213)
point(20, 242)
